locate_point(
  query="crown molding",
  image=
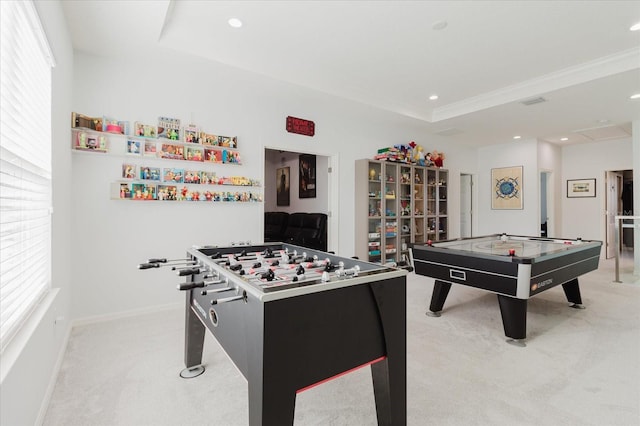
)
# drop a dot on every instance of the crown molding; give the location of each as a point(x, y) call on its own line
point(602, 67)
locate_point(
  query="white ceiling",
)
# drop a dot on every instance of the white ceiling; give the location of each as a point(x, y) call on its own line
point(578, 55)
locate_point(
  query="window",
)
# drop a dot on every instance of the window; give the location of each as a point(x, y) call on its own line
point(25, 165)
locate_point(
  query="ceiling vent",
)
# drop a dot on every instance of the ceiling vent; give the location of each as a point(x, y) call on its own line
point(533, 101)
point(603, 133)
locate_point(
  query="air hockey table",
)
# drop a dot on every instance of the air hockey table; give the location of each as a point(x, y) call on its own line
point(291, 318)
point(516, 268)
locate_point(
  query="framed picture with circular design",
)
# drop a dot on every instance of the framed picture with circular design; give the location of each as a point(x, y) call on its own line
point(506, 188)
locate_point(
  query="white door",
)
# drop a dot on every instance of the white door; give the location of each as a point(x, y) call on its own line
point(466, 184)
point(613, 182)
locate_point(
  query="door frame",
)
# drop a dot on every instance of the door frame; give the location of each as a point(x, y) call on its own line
point(470, 201)
point(549, 191)
point(613, 185)
point(333, 190)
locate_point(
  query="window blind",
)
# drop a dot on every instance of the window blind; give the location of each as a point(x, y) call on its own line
point(25, 165)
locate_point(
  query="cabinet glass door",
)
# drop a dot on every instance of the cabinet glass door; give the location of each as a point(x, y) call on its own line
point(375, 212)
point(406, 211)
point(391, 204)
point(443, 229)
point(432, 196)
point(419, 205)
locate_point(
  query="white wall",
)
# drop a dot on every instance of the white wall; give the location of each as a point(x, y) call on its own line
point(31, 361)
point(113, 236)
point(585, 217)
point(518, 222)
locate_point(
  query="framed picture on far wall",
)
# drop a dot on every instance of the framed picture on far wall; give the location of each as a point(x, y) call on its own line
point(283, 184)
point(307, 176)
point(506, 188)
point(581, 188)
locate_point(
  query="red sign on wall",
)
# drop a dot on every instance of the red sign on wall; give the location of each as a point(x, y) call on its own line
point(300, 126)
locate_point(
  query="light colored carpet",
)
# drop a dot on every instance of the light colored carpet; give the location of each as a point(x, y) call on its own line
point(580, 367)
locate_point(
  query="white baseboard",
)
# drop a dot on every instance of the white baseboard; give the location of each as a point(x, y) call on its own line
point(53, 379)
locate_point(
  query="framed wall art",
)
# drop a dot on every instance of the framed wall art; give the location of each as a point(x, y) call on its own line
point(506, 188)
point(307, 176)
point(581, 188)
point(283, 182)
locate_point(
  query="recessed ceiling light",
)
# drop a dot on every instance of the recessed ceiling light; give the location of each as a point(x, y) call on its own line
point(235, 22)
point(635, 96)
point(564, 139)
point(433, 97)
point(440, 25)
point(635, 27)
point(517, 137)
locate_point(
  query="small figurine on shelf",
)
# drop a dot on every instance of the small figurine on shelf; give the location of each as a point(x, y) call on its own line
point(82, 140)
point(390, 194)
point(406, 208)
point(418, 178)
point(128, 171)
point(411, 149)
point(191, 133)
point(438, 158)
point(92, 142)
point(144, 130)
point(125, 192)
point(372, 174)
point(428, 160)
point(133, 147)
point(418, 156)
point(162, 193)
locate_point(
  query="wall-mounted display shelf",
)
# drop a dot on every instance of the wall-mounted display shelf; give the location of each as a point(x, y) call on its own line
point(174, 184)
point(181, 175)
point(118, 144)
point(189, 148)
point(164, 191)
point(398, 204)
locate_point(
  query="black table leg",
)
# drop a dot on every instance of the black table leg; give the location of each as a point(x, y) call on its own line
point(194, 332)
point(439, 295)
point(273, 403)
point(389, 386)
point(514, 316)
point(572, 291)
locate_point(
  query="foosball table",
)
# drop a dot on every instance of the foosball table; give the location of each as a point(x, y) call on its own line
point(291, 318)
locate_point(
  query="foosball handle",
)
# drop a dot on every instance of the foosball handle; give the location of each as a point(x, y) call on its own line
point(190, 271)
point(189, 286)
point(148, 265)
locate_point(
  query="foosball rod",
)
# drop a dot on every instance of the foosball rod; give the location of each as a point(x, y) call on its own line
point(163, 260)
point(150, 265)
